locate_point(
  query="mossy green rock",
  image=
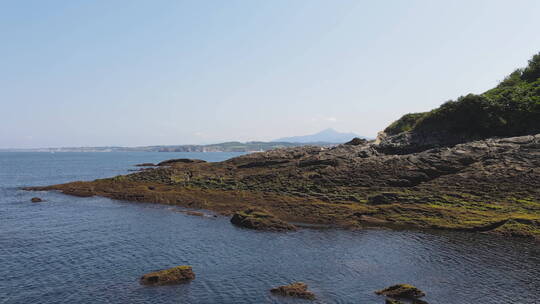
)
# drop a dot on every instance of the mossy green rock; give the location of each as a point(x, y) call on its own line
point(175, 275)
point(295, 290)
point(260, 220)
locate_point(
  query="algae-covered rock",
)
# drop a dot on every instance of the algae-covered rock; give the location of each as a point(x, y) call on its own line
point(175, 275)
point(260, 220)
point(383, 198)
point(36, 200)
point(404, 291)
point(296, 290)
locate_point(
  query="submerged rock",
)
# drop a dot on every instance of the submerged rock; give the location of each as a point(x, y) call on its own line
point(36, 200)
point(260, 220)
point(403, 291)
point(296, 290)
point(175, 275)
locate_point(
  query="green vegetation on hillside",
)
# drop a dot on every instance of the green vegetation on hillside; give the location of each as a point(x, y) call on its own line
point(405, 123)
point(510, 109)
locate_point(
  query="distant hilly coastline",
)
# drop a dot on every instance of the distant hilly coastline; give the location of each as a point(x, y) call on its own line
point(233, 146)
point(325, 138)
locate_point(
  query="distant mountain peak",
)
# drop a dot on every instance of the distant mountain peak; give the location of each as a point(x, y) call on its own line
point(327, 136)
point(328, 131)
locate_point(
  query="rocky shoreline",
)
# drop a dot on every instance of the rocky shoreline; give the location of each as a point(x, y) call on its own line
point(489, 186)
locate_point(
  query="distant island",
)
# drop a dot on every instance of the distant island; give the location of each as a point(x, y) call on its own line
point(325, 138)
point(472, 164)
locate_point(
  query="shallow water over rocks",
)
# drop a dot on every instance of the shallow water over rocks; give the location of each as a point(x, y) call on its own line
point(93, 250)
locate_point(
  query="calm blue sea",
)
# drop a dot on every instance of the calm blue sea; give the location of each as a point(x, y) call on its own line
point(93, 250)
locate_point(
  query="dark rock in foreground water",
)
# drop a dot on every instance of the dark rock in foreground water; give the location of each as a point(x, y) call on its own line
point(296, 290)
point(260, 220)
point(175, 275)
point(36, 200)
point(401, 291)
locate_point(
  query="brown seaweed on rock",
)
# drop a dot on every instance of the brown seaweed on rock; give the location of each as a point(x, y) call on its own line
point(401, 291)
point(296, 290)
point(260, 220)
point(175, 275)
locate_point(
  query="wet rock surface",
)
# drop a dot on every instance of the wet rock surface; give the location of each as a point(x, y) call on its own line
point(175, 275)
point(295, 290)
point(260, 220)
point(36, 200)
point(401, 291)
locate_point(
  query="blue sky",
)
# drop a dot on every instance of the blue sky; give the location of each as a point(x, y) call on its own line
point(95, 73)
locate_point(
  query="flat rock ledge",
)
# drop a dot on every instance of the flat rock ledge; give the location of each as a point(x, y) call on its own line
point(175, 275)
point(402, 291)
point(296, 290)
point(260, 220)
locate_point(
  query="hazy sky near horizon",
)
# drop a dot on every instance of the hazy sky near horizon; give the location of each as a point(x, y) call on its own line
point(96, 73)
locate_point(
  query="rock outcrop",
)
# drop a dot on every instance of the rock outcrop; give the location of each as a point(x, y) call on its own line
point(36, 200)
point(356, 141)
point(260, 220)
point(488, 186)
point(145, 165)
point(402, 291)
point(413, 142)
point(175, 275)
point(296, 290)
point(180, 160)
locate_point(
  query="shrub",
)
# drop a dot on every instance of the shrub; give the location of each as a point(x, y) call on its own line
point(510, 109)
